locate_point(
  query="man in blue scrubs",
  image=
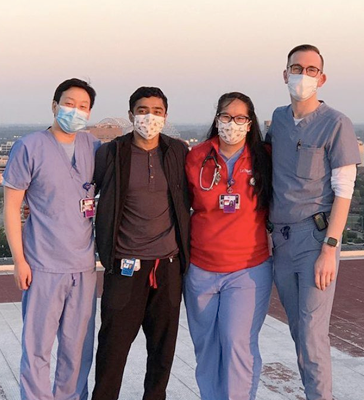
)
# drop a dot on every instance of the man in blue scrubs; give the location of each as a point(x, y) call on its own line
point(54, 262)
point(315, 153)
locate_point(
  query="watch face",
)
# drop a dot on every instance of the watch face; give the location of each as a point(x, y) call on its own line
point(331, 242)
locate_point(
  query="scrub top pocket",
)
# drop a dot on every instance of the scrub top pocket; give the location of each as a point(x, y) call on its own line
point(310, 163)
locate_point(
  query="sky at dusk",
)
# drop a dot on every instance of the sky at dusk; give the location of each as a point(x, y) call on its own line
point(194, 50)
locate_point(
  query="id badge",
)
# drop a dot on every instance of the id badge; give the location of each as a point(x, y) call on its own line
point(87, 207)
point(129, 265)
point(229, 203)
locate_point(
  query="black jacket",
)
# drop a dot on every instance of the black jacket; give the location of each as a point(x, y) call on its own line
point(112, 172)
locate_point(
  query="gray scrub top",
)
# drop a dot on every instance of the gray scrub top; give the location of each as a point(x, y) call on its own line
point(303, 157)
point(56, 236)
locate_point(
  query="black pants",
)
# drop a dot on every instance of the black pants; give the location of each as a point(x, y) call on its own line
point(128, 303)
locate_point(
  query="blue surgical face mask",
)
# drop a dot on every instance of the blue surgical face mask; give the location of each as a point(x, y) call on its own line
point(71, 120)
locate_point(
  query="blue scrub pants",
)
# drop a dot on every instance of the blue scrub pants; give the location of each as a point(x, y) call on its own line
point(62, 305)
point(308, 308)
point(225, 314)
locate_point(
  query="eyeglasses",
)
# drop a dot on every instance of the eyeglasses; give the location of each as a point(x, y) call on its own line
point(297, 69)
point(238, 119)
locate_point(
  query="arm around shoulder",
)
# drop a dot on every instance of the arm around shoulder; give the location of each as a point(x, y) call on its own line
point(101, 164)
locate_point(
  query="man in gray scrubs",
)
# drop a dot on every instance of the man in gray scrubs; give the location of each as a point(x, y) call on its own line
point(315, 153)
point(54, 257)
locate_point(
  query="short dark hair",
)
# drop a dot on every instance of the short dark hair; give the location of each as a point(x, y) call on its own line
point(305, 47)
point(74, 82)
point(145, 91)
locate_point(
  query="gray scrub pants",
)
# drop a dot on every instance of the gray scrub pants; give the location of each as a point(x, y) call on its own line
point(296, 248)
point(225, 314)
point(63, 305)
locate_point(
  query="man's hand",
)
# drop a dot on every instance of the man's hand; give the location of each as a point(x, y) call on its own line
point(25, 210)
point(325, 267)
point(22, 275)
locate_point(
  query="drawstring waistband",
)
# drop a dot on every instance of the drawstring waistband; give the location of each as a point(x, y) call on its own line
point(75, 278)
point(153, 275)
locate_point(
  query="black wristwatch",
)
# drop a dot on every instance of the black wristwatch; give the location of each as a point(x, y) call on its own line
point(331, 241)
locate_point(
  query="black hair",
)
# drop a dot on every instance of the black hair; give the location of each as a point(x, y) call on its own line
point(74, 82)
point(261, 160)
point(305, 47)
point(146, 91)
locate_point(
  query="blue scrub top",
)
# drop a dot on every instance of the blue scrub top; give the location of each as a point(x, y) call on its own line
point(56, 236)
point(230, 162)
point(303, 157)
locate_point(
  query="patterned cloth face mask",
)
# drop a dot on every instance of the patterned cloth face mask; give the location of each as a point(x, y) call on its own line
point(231, 132)
point(148, 125)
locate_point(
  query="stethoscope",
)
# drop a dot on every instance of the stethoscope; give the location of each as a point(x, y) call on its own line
point(216, 176)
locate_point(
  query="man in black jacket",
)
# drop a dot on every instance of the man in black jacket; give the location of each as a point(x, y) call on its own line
point(142, 233)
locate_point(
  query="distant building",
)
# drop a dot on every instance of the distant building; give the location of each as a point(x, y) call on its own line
point(3, 161)
point(192, 142)
point(266, 127)
point(361, 151)
point(170, 130)
point(110, 128)
point(6, 147)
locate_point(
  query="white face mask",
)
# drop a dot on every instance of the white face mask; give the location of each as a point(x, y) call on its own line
point(231, 132)
point(302, 87)
point(148, 125)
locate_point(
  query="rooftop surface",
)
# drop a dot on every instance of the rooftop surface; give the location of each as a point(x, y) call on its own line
point(279, 379)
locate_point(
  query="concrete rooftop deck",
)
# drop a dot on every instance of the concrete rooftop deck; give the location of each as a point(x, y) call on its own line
point(279, 379)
